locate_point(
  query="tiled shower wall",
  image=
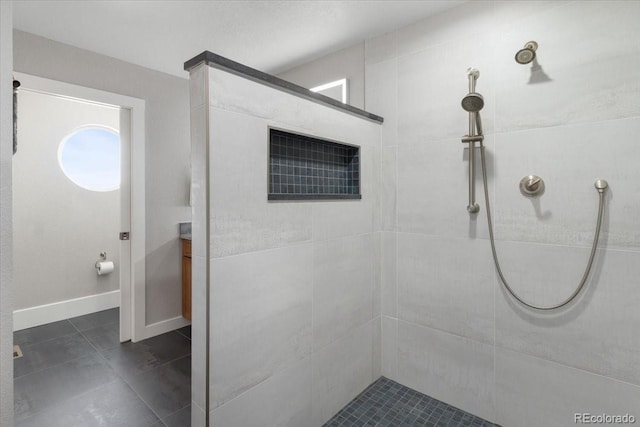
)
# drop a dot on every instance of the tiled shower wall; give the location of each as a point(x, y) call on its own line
point(448, 328)
point(295, 315)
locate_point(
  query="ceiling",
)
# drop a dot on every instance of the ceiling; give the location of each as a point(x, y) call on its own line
point(271, 36)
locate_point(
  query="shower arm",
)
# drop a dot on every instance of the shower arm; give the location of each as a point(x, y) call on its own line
point(475, 135)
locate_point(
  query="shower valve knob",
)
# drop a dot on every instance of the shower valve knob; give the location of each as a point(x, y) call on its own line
point(531, 186)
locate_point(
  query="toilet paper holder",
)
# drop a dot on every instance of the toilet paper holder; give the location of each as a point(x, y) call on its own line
point(104, 267)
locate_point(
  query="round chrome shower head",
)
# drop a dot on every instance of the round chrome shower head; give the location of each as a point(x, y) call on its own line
point(527, 54)
point(524, 56)
point(473, 102)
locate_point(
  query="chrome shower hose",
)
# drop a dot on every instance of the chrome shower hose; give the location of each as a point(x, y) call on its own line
point(495, 255)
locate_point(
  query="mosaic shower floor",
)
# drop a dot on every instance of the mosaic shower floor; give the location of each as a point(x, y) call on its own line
point(386, 403)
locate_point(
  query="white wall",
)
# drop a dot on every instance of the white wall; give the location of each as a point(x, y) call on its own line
point(167, 149)
point(6, 243)
point(294, 286)
point(59, 228)
point(347, 63)
point(448, 327)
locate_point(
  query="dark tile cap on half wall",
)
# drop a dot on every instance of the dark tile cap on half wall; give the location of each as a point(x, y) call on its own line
point(222, 63)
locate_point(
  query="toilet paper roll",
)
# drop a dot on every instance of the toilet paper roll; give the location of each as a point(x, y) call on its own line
point(104, 267)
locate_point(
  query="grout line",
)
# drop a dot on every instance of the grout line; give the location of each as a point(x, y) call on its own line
point(146, 371)
point(519, 242)
point(175, 412)
point(564, 365)
point(453, 334)
point(48, 339)
point(102, 356)
point(395, 369)
point(87, 339)
point(126, 378)
point(144, 402)
point(301, 243)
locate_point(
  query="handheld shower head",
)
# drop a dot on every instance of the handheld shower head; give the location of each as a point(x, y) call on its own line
point(473, 102)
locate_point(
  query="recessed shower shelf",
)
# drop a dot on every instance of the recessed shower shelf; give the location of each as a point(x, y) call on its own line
point(306, 168)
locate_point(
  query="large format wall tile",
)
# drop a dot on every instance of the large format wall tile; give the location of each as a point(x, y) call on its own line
point(585, 75)
point(341, 370)
point(376, 350)
point(378, 49)
point(198, 191)
point(431, 85)
point(461, 23)
point(343, 286)
point(388, 188)
point(242, 219)
point(260, 317)
point(453, 369)
point(356, 217)
point(251, 99)
point(433, 188)
point(198, 417)
point(597, 333)
point(338, 126)
point(390, 347)
point(532, 392)
point(198, 330)
point(447, 284)
point(509, 14)
point(198, 96)
point(283, 400)
point(389, 283)
point(377, 274)
point(382, 98)
point(545, 275)
point(570, 159)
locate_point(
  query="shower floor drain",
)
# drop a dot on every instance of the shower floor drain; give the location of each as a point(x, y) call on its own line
point(17, 353)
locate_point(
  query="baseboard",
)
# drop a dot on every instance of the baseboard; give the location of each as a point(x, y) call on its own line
point(43, 314)
point(164, 326)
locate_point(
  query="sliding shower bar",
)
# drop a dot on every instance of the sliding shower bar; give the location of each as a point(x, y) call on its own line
point(473, 103)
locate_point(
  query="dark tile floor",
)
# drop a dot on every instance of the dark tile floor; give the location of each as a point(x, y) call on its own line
point(76, 373)
point(389, 404)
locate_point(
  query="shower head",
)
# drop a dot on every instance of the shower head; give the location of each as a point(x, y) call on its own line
point(473, 102)
point(527, 54)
